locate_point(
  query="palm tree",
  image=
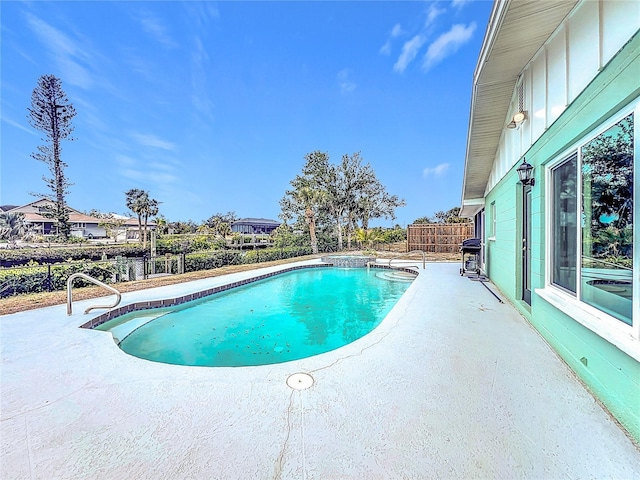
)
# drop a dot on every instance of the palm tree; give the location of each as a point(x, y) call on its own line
point(369, 237)
point(224, 229)
point(309, 199)
point(138, 202)
point(136, 199)
point(150, 209)
point(13, 227)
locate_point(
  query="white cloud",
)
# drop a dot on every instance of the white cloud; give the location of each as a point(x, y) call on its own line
point(345, 82)
point(17, 125)
point(154, 27)
point(66, 52)
point(396, 31)
point(202, 13)
point(447, 44)
point(125, 161)
point(433, 13)
point(152, 141)
point(459, 3)
point(409, 52)
point(436, 171)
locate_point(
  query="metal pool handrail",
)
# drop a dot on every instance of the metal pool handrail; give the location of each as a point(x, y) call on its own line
point(93, 280)
point(424, 261)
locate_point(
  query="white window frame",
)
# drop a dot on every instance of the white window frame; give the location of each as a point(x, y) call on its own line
point(625, 337)
point(492, 214)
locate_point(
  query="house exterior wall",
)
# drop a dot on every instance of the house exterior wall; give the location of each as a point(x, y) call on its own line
point(570, 59)
point(605, 358)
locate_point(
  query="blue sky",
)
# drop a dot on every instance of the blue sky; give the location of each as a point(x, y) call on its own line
point(211, 106)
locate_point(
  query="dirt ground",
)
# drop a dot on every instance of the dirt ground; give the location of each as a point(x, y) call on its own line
point(19, 303)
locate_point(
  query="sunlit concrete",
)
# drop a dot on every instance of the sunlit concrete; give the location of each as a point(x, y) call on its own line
point(452, 384)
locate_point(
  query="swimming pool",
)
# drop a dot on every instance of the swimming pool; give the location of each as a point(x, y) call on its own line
point(285, 317)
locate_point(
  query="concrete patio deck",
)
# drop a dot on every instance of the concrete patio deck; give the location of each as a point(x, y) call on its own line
point(452, 384)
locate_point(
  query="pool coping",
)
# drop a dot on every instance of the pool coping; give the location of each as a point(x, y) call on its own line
point(172, 302)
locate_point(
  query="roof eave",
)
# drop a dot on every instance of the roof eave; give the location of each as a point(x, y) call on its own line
point(515, 33)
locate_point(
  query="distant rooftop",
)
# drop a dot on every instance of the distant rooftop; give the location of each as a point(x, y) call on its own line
point(253, 221)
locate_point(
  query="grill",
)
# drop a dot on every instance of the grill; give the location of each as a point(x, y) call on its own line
point(470, 249)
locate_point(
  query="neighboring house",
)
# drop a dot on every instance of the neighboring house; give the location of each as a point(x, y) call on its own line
point(558, 83)
point(81, 225)
point(254, 226)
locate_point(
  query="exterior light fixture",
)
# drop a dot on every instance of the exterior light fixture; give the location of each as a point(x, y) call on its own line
point(520, 117)
point(517, 119)
point(525, 173)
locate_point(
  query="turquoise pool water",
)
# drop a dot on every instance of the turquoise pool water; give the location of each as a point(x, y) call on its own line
point(286, 317)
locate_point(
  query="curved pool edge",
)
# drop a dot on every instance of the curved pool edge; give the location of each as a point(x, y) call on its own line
point(171, 302)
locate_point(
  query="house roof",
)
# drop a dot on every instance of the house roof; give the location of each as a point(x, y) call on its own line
point(30, 212)
point(256, 221)
point(32, 207)
point(517, 29)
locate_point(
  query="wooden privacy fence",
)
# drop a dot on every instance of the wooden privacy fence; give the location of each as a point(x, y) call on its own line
point(438, 237)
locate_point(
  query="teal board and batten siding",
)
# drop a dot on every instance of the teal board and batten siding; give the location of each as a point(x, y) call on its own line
point(611, 374)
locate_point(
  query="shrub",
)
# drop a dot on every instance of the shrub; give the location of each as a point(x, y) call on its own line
point(188, 243)
point(33, 278)
point(23, 256)
point(194, 262)
point(270, 254)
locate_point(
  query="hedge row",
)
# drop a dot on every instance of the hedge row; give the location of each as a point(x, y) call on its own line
point(9, 258)
point(187, 243)
point(216, 259)
point(42, 278)
point(32, 278)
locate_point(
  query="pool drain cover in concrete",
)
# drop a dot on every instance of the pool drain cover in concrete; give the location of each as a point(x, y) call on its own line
point(300, 381)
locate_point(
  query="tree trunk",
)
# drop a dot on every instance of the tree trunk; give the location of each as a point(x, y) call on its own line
point(339, 229)
point(144, 232)
point(312, 229)
point(140, 229)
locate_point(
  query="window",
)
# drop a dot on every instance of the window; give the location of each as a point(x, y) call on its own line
point(492, 232)
point(607, 220)
point(564, 224)
point(592, 248)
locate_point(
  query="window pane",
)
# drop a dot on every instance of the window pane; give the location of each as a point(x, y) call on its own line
point(607, 221)
point(565, 228)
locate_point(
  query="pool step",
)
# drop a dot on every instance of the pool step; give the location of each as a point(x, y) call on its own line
point(396, 276)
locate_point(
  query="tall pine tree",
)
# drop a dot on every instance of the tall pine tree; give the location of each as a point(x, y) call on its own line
point(51, 113)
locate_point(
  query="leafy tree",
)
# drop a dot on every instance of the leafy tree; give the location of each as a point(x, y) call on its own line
point(162, 226)
point(283, 236)
point(337, 195)
point(112, 225)
point(52, 113)
point(224, 229)
point(450, 216)
point(216, 222)
point(179, 227)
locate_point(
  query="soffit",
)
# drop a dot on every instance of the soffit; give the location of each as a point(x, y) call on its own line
point(517, 29)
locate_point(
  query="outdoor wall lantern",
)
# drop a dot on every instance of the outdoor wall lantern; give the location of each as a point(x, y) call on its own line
point(517, 119)
point(525, 173)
